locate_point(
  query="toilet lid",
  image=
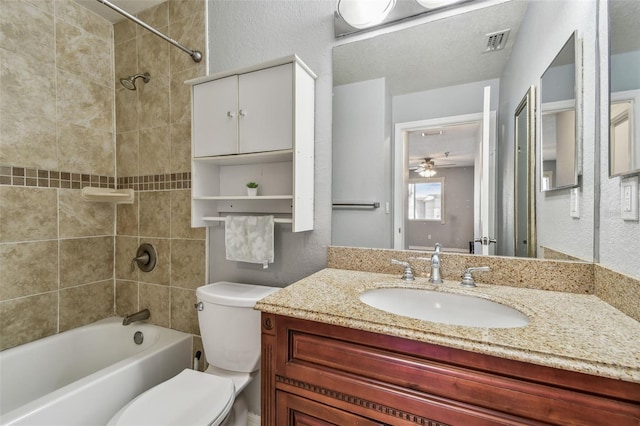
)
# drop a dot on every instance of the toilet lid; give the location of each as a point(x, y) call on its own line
point(190, 398)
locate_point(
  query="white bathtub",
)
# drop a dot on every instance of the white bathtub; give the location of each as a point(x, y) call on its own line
point(84, 376)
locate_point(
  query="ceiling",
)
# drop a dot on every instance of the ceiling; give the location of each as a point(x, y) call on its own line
point(131, 6)
point(458, 140)
point(410, 61)
point(407, 57)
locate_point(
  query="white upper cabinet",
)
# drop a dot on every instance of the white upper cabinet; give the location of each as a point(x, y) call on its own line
point(254, 125)
point(246, 113)
point(215, 117)
point(266, 110)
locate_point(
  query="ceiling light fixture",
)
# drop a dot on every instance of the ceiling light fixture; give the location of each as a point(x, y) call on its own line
point(427, 173)
point(431, 133)
point(364, 13)
point(435, 4)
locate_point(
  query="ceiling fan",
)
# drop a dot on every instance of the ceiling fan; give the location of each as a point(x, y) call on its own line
point(427, 167)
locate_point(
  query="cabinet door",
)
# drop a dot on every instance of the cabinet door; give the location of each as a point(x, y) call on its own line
point(215, 117)
point(297, 411)
point(266, 109)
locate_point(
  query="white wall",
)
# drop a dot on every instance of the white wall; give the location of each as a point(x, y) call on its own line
point(532, 53)
point(243, 33)
point(361, 164)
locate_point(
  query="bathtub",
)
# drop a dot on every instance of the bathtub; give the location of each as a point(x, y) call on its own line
point(85, 375)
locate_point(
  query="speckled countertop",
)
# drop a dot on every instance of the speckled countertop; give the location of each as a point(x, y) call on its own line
point(569, 331)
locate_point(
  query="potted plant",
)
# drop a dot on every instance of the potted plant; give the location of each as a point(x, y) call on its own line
point(252, 189)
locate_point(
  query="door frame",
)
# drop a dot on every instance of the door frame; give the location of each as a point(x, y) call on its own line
point(401, 173)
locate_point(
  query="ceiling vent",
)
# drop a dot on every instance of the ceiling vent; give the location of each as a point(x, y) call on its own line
point(496, 41)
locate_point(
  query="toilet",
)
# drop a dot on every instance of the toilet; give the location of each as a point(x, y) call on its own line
point(230, 330)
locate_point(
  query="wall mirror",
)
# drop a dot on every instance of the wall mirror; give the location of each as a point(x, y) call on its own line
point(559, 127)
point(427, 77)
point(624, 86)
point(524, 206)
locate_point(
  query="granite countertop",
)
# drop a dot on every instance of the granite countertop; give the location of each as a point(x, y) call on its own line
point(568, 331)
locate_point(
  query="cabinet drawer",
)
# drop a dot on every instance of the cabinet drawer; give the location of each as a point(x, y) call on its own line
point(297, 411)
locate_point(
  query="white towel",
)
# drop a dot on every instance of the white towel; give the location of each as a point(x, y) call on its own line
point(249, 239)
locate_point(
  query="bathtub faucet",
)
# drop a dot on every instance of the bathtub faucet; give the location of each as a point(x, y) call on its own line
point(138, 316)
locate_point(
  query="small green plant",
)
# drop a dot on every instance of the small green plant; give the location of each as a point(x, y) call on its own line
point(252, 185)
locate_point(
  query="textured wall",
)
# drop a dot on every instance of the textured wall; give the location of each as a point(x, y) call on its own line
point(153, 140)
point(243, 33)
point(619, 239)
point(56, 135)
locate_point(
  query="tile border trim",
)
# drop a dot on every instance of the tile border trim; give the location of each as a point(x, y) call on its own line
point(42, 178)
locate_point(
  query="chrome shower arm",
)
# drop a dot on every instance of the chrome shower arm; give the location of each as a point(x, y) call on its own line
point(195, 55)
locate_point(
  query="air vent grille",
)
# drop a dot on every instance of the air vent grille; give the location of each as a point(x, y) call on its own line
point(497, 41)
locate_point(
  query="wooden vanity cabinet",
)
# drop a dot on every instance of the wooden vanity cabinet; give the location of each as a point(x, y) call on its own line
point(319, 374)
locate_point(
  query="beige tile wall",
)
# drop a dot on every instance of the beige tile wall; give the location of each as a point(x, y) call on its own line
point(56, 132)
point(152, 155)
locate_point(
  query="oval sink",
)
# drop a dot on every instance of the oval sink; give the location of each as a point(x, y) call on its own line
point(445, 308)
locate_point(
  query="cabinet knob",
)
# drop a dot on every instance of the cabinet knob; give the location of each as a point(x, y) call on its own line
point(230, 114)
point(243, 113)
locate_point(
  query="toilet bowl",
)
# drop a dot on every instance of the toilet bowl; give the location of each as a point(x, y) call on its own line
point(230, 330)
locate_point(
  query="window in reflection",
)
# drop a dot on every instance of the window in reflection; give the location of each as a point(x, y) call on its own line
point(426, 199)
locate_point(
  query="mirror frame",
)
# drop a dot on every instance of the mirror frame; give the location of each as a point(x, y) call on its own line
point(578, 112)
point(527, 103)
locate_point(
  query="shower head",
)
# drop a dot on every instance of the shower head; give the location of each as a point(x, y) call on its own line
point(130, 82)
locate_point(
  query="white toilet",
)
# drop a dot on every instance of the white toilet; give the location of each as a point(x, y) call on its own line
point(230, 330)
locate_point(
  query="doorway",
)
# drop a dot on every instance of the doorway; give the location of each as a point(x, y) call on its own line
point(439, 170)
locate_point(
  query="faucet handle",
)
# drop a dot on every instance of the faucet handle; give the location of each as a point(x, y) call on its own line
point(407, 275)
point(467, 277)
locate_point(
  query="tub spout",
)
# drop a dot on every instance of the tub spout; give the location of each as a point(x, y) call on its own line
point(138, 316)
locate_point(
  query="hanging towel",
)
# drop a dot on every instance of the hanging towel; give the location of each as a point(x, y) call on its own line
point(249, 239)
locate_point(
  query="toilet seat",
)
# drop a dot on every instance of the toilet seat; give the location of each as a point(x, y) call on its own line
point(190, 398)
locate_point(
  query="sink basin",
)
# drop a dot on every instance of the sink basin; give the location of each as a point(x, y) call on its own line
point(445, 308)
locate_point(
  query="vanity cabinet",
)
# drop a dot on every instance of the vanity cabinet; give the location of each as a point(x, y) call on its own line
point(316, 373)
point(254, 124)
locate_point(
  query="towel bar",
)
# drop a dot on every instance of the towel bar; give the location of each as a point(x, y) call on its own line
point(221, 219)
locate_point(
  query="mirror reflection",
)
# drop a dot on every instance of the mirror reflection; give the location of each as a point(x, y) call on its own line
point(393, 86)
point(403, 78)
point(624, 134)
point(558, 120)
point(525, 217)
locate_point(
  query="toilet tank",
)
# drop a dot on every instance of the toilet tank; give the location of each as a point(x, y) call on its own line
point(229, 326)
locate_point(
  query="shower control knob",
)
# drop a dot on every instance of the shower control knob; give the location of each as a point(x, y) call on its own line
point(230, 114)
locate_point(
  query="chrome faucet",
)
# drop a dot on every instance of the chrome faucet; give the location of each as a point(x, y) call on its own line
point(407, 275)
point(467, 278)
point(435, 277)
point(138, 316)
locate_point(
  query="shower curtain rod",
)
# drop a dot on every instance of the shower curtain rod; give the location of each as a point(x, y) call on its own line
point(195, 55)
